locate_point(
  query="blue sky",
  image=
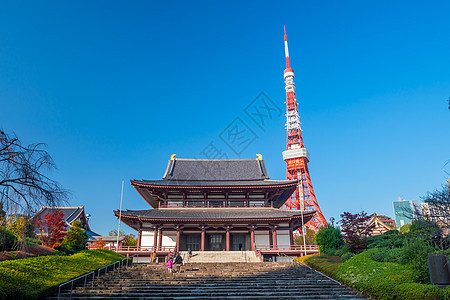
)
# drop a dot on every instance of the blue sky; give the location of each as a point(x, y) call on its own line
point(114, 88)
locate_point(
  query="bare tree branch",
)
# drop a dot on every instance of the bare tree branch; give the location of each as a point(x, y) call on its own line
point(23, 184)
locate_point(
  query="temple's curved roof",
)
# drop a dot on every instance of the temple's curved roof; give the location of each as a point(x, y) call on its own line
point(215, 170)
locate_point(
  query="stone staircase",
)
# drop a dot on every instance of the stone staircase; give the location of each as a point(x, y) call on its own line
point(219, 257)
point(269, 280)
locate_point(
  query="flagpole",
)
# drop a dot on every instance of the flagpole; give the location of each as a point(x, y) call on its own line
point(120, 218)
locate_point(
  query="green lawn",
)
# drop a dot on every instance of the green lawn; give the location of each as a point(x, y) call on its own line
point(31, 277)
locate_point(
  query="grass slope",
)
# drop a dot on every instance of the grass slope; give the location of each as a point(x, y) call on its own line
point(30, 277)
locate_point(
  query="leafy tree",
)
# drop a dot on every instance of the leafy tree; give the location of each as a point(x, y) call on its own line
point(309, 238)
point(130, 240)
point(113, 232)
point(21, 226)
point(76, 237)
point(355, 228)
point(23, 183)
point(8, 241)
point(329, 239)
point(99, 244)
point(51, 228)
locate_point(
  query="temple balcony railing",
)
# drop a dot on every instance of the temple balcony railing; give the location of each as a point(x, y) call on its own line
point(212, 206)
point(166, 249)
point(308, 248)
point(137, 248)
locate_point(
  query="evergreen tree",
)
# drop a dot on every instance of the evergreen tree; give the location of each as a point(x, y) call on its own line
point(76, 237)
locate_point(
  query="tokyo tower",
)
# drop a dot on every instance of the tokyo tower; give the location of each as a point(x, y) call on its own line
point(296, 156)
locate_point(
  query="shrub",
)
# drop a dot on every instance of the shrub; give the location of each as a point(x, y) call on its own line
point(31, 241)
point(329, 239)
point(391, 239)
point(343, 250)
point(8, 241)
point(347, 256)
point(413, 291)
point(76, 238)
point(375, 279)
point(415, 254)
point(387, 255)
point(65, 249)
point(325, 264)
point(405, 228)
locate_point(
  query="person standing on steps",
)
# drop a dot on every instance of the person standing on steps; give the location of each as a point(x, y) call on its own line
point(170, 256)
point(169, 265)
point(178, 262)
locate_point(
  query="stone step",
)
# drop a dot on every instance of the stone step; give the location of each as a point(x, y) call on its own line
point(212, 281)
point(220, 294)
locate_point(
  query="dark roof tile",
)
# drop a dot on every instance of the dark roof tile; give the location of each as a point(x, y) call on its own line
point(215, 170)
point(214, 213)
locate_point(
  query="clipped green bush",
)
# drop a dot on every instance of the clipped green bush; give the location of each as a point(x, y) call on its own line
point(372, 278)
point(347, 256)
point(415, 254)
point(325, 264)
point(30, 278)
point(8, 241)
point(329, 239)
point(343, 250)
point(414, 291)
point(31, 241)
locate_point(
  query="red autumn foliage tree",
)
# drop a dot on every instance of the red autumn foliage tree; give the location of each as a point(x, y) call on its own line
point(355, 229)
point(100, 244)
point(51, 228)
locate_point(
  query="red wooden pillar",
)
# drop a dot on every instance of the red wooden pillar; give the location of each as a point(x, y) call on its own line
point(160, 239)
point(252, 238)
point(178, 238)
point(228, 239)
point(274, 238)
point(271, 238)
point(202, 243)
point(155, 238)
point(139, 239)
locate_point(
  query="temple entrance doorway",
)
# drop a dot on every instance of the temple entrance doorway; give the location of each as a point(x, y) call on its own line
point(238, 242)
point(215, 242)
point(193, 242)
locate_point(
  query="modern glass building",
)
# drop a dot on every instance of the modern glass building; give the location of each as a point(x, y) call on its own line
point(405, 211)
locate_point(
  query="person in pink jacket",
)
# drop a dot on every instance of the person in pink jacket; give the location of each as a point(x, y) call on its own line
point(169, 265)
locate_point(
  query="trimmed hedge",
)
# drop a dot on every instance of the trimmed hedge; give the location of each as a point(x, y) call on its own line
point(30, 278)
point(372, 278)
point(379, 280)
point(414, 291)
point(325, 264)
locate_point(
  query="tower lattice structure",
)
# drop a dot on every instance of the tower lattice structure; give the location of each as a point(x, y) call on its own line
point(296, 156)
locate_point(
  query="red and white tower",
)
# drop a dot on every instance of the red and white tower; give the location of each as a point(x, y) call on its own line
point(296, 156)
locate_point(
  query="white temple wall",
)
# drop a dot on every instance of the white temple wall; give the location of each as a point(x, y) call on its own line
point(262, 239)
point(147, 238)
point(169, 239)
point(283, 238)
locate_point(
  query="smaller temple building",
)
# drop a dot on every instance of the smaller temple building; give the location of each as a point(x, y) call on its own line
point(216, 205)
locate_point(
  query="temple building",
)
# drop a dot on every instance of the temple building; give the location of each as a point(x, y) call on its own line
point(216, 205)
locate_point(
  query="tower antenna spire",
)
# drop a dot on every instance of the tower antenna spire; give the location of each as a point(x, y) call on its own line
point(296, 156)
point(286, 50)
